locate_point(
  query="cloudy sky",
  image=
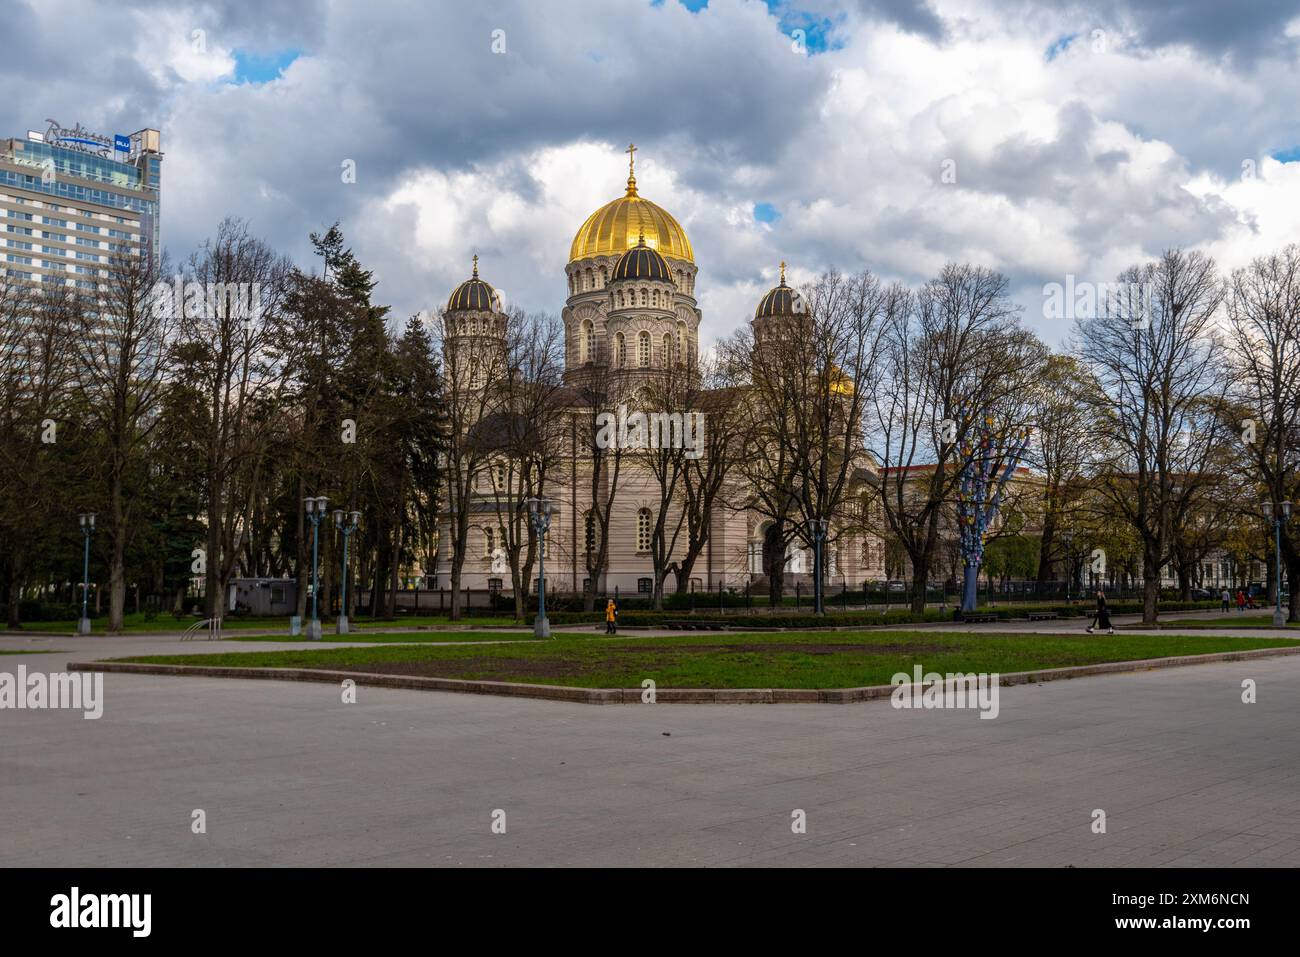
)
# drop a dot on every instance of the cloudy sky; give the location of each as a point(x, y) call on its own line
point(1041, 138)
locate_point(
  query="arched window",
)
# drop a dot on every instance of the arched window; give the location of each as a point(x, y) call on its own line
point(645, 297)
point(643, 530)
point(643, 349)
point(620, 351)
point(586, 341)
point(475, 372)
point(603, 277)
point(681, 341)
point(668, 358)
point(489, 541)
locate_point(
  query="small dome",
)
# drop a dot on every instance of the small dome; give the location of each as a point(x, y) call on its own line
point(642, 262)
point(780, 300)
point(474, 294)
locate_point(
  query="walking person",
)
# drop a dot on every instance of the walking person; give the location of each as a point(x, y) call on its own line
point(1227, 599)
point(1102, 617)
point(611, 618)
point(1241, 600)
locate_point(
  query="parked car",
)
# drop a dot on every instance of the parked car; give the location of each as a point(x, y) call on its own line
point(897, 586)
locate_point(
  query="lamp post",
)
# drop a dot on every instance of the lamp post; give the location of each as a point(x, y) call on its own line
point(87, 520)
point(354, 519)
point(1068, 537)
point(539, 513)
point(817, 529)
point(1277, 513)
point(315, 512)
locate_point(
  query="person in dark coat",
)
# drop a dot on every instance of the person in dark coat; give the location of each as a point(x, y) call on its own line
point(1102, 619)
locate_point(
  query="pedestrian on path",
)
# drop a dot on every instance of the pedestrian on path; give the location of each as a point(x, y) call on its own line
point(611, 618)
point(1241, 600)
point(1227, 599)
point(1102, 618)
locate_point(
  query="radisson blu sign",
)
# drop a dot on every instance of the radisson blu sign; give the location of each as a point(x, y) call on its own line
point(83, 140)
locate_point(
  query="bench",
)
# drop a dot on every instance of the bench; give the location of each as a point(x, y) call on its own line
point(972, 618)
point(1042, 616)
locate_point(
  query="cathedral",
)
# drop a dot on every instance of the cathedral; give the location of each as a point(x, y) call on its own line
point(631, 311)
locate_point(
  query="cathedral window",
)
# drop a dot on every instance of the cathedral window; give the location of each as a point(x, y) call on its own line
point(643, 349)
point(586, 341)
point(681, 340)
point(643, 530)
point(620, 351)
point(668, 358)
point(489, 541)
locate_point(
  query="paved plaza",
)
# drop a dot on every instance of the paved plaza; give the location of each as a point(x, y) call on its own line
point(287, 774)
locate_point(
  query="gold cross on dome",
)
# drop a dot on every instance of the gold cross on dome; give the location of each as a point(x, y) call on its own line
point(631, 156)
point(476, 265)
point(783, 272)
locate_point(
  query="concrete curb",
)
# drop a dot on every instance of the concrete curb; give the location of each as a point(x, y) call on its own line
point(664, 695)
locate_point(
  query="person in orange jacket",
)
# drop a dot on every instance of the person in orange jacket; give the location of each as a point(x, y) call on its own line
point(611, 618)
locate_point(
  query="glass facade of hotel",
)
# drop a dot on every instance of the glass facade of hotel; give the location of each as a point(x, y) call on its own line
point(65, 214)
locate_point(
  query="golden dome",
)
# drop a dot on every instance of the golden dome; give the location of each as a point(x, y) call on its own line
point(616, 226)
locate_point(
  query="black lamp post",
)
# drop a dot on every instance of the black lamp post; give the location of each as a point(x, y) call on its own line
point(1277, 513)
point(87, 520)
point(315, 512)
point(347, 528)
point(539, 513)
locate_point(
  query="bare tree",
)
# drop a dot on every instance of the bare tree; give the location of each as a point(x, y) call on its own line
point(234, 294)
point(122, 366)
point(1158, 388)
point(809, 377)
point(522, 437)
point(956, 352)
point(1263, 348)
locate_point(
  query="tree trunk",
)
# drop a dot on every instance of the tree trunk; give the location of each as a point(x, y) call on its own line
point(921, 575)
point(1150, 589)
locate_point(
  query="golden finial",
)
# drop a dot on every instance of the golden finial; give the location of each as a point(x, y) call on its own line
point(476, 265)
point(631, 168)
point(783, 272)
point(640, 241)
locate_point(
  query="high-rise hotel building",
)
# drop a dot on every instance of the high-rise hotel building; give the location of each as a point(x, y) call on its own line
point(72, 201)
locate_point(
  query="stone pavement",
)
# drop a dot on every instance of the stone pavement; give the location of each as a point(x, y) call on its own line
point(289, 775)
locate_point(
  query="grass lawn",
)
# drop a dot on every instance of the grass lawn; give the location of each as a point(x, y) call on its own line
point(787, 660)
point(43, 651)
point(412, 637)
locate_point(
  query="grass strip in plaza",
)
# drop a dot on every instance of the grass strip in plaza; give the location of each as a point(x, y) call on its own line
point(802, 660)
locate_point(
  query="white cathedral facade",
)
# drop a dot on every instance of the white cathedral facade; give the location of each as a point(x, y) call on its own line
point(631, 310)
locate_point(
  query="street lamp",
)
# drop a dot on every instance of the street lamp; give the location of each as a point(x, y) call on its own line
point(1068, 537)
point(87, 520)
point(817, 529)
point(539, 513)
point(315, 512)
point(354, 519)
point(1277, 513)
